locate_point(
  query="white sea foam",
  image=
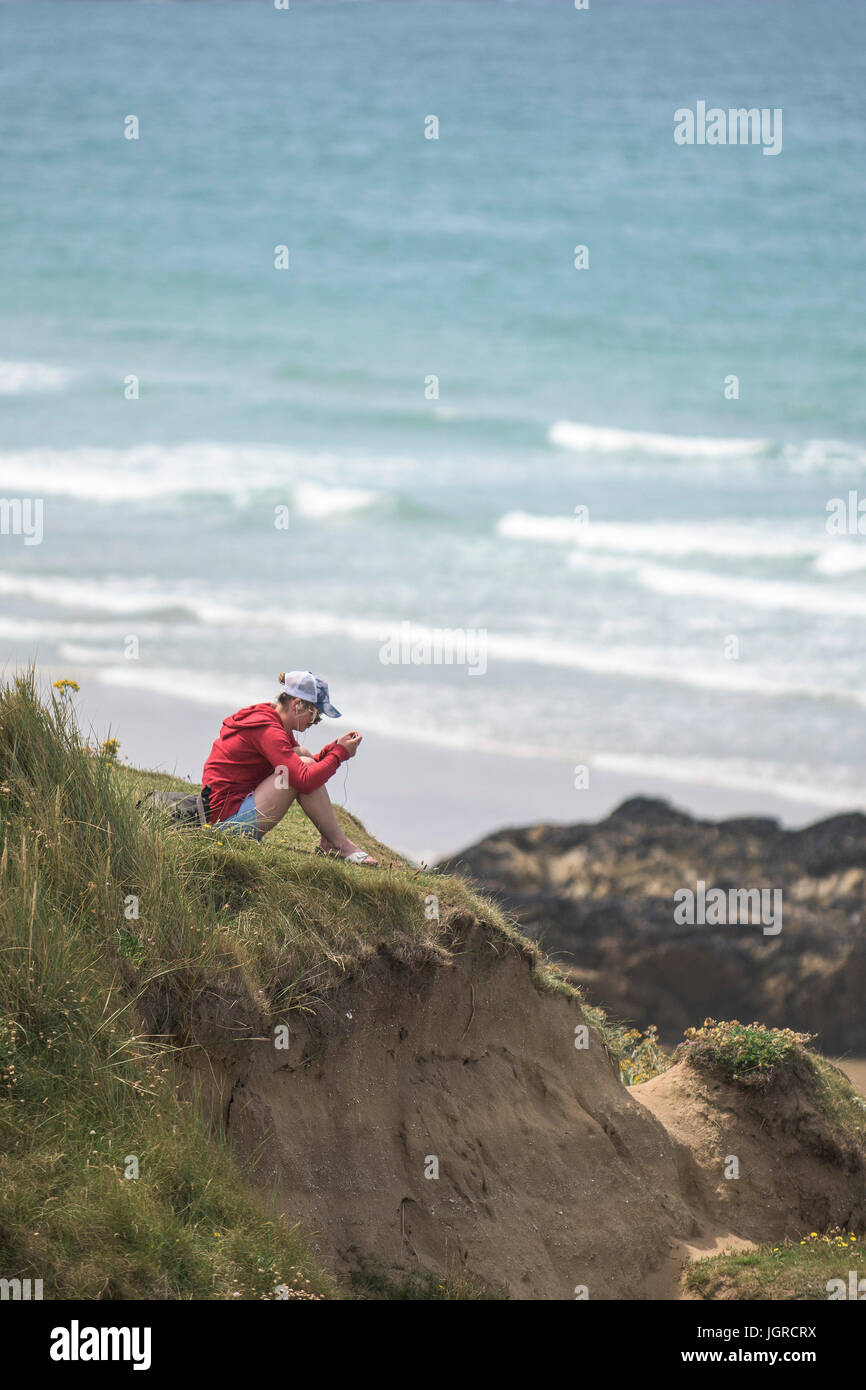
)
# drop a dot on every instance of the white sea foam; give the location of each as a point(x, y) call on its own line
point(725, 540)
point(841, 557)
point(202, 688)
point(807, 456)
point(314, 501)
point(114, 595)
point(528, 526)
point(31, 629)
point(117, 595)
point(830, 600)
point(150, 472)
point(79, 654)
point(825, 456)
point(21, 378)
point(689, 668)
point(601, 439)
point(17, 629)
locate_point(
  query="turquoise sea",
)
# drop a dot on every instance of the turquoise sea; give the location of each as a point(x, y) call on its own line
point(702, 624)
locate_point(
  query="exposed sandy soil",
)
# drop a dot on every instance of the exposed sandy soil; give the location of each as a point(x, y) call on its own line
point(551, 1174)
point(789, 1166)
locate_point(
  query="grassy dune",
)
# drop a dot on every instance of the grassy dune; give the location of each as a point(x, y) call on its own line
point(103, 910)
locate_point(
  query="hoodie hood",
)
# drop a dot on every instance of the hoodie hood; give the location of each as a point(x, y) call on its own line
point(251, 717)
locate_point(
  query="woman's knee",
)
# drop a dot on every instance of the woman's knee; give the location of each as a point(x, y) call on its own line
point(272, 801)
point(317, 798)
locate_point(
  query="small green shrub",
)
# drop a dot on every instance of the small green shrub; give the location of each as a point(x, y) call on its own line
point(742, 1051)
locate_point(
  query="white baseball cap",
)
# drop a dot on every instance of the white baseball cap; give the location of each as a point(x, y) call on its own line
point(303, 685)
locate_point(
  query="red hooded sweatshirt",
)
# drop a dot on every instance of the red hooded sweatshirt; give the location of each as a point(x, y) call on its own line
point(252, 744)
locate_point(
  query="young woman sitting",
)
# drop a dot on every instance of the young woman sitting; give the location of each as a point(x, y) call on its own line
point(256, 767)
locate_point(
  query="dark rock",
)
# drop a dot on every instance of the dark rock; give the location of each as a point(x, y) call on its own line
point(600, 898)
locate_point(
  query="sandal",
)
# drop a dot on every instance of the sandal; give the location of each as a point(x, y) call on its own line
point(358, 856)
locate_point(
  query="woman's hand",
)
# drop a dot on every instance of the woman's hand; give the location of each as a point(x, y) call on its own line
point(350, 742)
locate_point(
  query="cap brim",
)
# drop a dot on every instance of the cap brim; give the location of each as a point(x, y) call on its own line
point(328, 709)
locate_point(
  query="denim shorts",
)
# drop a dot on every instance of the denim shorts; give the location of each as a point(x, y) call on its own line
point(245, 820)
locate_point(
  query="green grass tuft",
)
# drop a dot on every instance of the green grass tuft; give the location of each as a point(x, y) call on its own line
point(369, 1284)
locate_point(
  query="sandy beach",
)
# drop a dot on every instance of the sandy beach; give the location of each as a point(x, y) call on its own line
point(855, 1068)
point(426, 801)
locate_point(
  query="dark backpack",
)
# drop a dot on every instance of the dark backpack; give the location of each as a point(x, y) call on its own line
point(182, 808)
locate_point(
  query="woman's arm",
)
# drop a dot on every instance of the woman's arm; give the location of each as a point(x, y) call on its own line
point(303, 775)
point(317, 757)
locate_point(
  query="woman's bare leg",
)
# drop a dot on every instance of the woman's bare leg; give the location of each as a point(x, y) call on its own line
point(273, 799)
point(317, 807)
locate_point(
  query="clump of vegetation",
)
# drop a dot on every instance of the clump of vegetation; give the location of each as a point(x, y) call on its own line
point(109, 749)
point(639, 1055)
point(741, 1051)
point(371, 1284)
point(643, 1055)
point(793, 1269)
